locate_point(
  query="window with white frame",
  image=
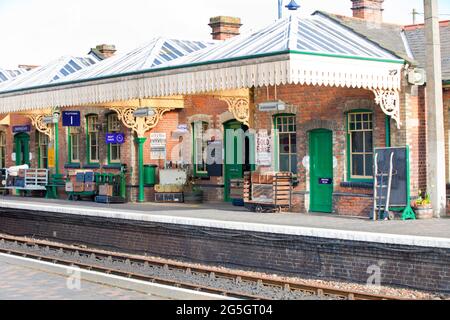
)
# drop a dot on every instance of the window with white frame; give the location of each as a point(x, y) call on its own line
point(74, 135)
point(200, 145)
point(287, 142)
point(360, 134)
point(42, 149)
point(92, 138)
point(114, 149)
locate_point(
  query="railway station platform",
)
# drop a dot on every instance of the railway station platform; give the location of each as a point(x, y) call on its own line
point(419, 232)
point(413, 254)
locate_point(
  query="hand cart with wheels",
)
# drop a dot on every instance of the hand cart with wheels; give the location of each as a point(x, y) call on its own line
point(268, 192)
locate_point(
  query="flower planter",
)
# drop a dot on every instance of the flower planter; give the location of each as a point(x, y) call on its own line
point(424, 212)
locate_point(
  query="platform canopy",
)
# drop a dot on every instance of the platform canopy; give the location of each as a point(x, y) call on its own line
point(6, 75)
point(311, 51)
point(50, 73)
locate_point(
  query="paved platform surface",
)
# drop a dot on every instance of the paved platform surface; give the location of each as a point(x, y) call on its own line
point(217, 215)
point(22, 283)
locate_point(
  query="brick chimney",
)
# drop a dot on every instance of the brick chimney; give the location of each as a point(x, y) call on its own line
point(370, 10)
point(224, 27)
point(107, 50)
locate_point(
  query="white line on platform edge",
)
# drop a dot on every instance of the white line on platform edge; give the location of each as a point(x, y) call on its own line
point(155, 289)
point(351, 235)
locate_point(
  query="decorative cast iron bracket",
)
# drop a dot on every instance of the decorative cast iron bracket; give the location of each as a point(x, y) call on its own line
point(140, 125)
point(389, 101)
point(38, 122)
point(239, 107)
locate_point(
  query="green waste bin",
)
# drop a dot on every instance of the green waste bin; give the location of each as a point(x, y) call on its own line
point(150, 174)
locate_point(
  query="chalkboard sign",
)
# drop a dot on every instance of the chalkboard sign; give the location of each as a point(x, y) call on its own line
point(400, 179)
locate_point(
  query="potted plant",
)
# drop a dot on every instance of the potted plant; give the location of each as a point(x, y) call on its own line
point(422, 206)
point(191, 192)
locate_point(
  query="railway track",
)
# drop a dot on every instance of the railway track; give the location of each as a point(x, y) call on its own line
point(23, 244)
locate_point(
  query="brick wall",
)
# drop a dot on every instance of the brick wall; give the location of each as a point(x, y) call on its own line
point(325, 107)
point(314, 107)
point(328, 259)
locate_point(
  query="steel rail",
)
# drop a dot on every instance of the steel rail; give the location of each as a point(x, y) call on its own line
point(237, 276)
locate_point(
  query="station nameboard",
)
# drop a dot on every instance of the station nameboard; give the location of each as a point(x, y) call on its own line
point(19, 129)
point(71, 118)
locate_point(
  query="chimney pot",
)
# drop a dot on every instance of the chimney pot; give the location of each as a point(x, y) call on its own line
point(370, 10)
point(108, 50)
point(224, 27)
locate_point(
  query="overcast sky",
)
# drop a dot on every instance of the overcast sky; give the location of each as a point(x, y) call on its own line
point(37, 31)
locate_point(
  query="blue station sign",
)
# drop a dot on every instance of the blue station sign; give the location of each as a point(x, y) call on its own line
point(71, 118)
point(115, 138)
point(19, 129)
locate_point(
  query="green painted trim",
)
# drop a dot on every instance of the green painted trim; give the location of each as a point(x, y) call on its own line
point(349, 165)
point(197, 64)
point(69, 144)
point(388, 131)
point(140, 142)
point(56, 148)
point(446, 82)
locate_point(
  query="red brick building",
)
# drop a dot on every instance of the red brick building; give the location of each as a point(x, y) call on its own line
point(337, 87)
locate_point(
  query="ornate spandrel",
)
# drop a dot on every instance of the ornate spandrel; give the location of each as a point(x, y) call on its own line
point(389, 101)
point(140, 125)
point(239, 107)
point(38, 122)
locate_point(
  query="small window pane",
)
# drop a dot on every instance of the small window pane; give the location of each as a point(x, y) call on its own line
point(284, 162)
point(369, 165)
point(358, 165)
point(358, 142)
point(284, 143)
point(368, 140)
point(294, 163)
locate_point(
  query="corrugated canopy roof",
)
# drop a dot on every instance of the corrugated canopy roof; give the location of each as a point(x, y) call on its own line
point(153, 54)
point(49, 73)
point(6, 75)
point(314, 34)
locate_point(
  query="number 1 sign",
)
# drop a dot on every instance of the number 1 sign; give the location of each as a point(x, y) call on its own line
point(71, 118)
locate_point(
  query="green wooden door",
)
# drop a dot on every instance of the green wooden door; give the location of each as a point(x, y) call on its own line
point(22, 148)
point(321, 170)
point(235, 155)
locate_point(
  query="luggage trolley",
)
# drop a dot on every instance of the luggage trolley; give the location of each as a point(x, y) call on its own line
point(272, 194)
point(391, 190)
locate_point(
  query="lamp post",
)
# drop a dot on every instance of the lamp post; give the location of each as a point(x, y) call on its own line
point(142, 113)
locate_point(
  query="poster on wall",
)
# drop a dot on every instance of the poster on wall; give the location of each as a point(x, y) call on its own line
point(158, 143)
point(263, 148)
